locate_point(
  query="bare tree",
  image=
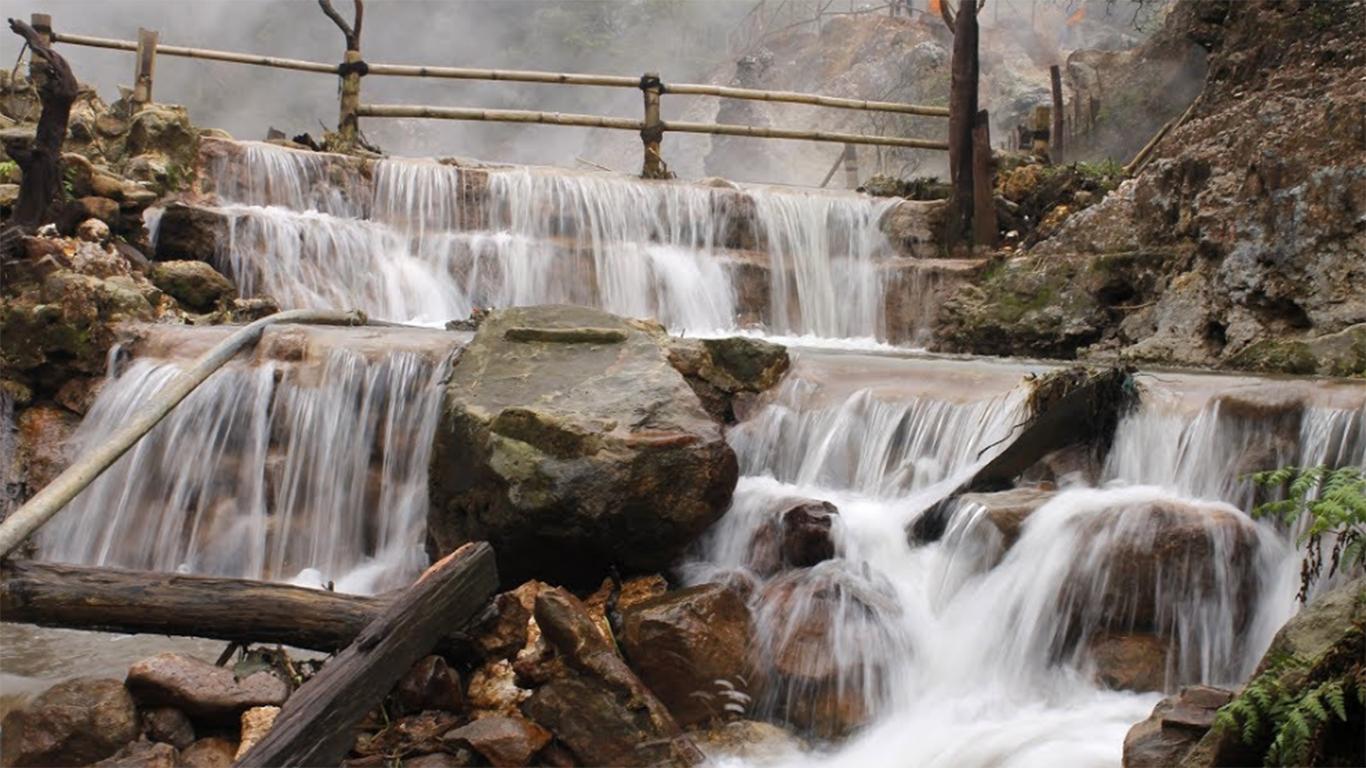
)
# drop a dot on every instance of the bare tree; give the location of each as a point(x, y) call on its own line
point(40, 161)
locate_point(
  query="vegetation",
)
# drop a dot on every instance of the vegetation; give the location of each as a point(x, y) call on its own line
point(1334, 501)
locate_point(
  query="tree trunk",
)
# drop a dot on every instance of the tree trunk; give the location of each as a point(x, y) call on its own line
point(962, 113)
point(40, 162)
point(133, 602)
point(316, 725)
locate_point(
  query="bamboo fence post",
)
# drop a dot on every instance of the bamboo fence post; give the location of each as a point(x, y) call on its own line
point(348, 122)
point(42, 24)
point(1043, 118)
point(144, 67)
point(983, 183)
point(1056, 134)
point(850, 167)
point(652, 134)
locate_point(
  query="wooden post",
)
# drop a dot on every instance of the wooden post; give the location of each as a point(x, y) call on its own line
point(145, 64)
point(962, 113)
point(1043, 118)
point(348, 123)
point(652, 134)
point(316, 725)
point(850, 167)
point(1056, 134)
point(983, 183)
point(42, 24)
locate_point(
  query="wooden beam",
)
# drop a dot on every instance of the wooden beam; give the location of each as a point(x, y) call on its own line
point(144, 67)
point(143, 602)
point(316, 726)
point(1055, 76)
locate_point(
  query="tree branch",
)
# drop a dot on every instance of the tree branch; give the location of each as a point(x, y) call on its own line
point(41, 161)
point(352, 34)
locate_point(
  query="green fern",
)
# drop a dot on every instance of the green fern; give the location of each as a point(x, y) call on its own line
point(1335, 502)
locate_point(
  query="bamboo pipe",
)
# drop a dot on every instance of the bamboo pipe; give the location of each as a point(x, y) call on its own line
point(792, 97)
point(74, 479)
point(626, 124)
point(198, 53)
point(509, 75)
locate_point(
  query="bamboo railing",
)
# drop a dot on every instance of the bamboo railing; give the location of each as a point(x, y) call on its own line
point(651, 128)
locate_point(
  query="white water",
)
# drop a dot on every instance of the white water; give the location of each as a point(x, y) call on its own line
point(428, 242)
point(266, 472)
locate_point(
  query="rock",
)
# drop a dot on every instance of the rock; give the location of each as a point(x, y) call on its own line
point(93, 231)
point(430, 684)
point(575, 447)
point(748, 741)
point(807, 534)
point(143, 754)
point(1176, 724)
point(186, 232)
point(627, 593)
point(168, 725)
point(503, 631)
point(414, 734)
point(213, 752)
point(1007, 511)
point(76, 722)
point(9, 195)
point(597, 706)
point(163, 129)
point(1133, 662)
point(79, 393)
point(194, 284)
point(44, 432)
point(506, 742)
point(722, 370)
point(493, 689)
point(460, 759)
point(100, 208)
point(692, 649)
point(202, 690)
point(256, 723)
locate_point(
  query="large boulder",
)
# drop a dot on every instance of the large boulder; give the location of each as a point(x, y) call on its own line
point(77, 722)
point(724, 371)
point(692, 649)
point(194, 284)
point(200, 689)
point(570, 444)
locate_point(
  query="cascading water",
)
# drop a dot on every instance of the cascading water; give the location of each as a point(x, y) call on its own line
point(267, 471)
point(429, 242)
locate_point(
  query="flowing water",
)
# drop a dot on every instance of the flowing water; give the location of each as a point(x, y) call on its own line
point(978, 649)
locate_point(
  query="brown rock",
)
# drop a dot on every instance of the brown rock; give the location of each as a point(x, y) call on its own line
point(1007, 511)
point(202, 690)
point(1175, 726)
point(493, 689)
point(101, 208)
point(142, 754)
point(76, 722)
point(79, 393)
point(1134, 662)
point(459, 759)
point(504, 632)
point(189, 233)
point(194, 284)
point(93, 231)
point(213, 752)
point(807, 537)
point(506, 742)
point(256, 723)
point(44, 431)
point(168, 725)
point(430, 684)
point(415, 734)
point(692, 649)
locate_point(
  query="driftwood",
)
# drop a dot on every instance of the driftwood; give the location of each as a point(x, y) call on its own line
point(315, 727)
point(40, 162)
point(138, 602)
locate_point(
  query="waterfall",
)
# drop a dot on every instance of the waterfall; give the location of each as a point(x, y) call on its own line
point(313, 474)
point(427, 242)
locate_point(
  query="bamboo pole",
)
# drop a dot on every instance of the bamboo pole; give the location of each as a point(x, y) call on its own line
point(348, 127)
point(58, 493)
point(791, 97)
point(626, 124)
point(652, 132)
point(503, 75)
point(199, 53)
point(144, 66)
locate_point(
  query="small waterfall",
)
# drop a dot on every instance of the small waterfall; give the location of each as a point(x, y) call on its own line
point(268, 471)
point(429, 242)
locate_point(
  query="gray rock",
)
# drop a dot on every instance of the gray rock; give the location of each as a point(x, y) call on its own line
point(202, 690)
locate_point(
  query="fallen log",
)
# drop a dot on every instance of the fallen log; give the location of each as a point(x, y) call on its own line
point(316, 725)
point(144, 602)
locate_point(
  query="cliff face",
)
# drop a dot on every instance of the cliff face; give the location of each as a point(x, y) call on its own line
point(1241, 244)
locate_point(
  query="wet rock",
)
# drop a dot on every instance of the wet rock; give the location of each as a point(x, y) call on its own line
point(613, 597)
point(1175, 726)
point(722, 370)
point(798, 537)
point(256, 723)
point(44, 432)
point(168, 725)
point(598, 707)
point(692, 649)
point(194, 284)
point(415, 734)
point(76, 722)
point(212, 752)
point(576, 447)
point(202, 690)
point(1007, 511)
point(506, 742)
point(504, 631)
point(186, 232)
point(430, 684)
point(748, 740)
point(79, 393)
point(143, 754)
point(1133, 662)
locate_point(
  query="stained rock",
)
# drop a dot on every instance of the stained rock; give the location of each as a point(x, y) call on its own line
point(168, 725)
point(202, 690)
point(430, 684)
point(76, 722)
point(692, 648)
point(44, 432)
point(506, 742)
point(720, 370)
point(194, 284)
point(568, 456)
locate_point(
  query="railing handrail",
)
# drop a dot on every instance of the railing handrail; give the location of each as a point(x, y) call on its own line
point(512, 75)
